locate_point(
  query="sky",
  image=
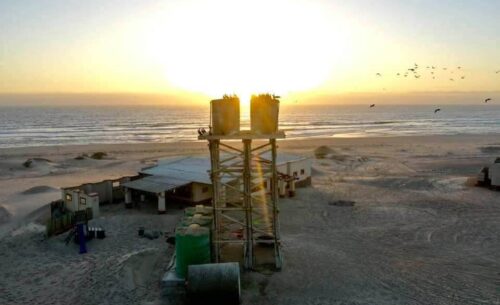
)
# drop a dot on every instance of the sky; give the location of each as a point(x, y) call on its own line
point(311, 51)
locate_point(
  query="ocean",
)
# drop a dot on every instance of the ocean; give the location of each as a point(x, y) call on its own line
point(64, 125)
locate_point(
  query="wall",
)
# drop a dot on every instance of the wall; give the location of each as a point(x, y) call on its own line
point(302, 168)
point(68, 202)
point(200, 192)
point(118, 190)
point(282, 168)
point(80, 201)
point(180, 194)
point(106, 191)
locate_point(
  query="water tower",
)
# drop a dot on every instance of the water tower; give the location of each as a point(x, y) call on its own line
point(245, 182)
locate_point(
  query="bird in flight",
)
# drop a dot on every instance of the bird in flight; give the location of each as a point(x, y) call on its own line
point(459, 67)
point(497, 72)
point(372, 105)
point(438, 109)
point(451, 79)
point(487, 100)
point(463, 77)
point(378, 74)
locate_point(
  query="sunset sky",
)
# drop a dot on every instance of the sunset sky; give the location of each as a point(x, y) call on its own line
point(299, 49)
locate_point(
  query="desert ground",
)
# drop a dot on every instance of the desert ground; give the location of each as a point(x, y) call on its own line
point(392, 220)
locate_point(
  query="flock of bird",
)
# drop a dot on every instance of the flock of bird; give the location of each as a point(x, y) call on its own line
point(416, 72)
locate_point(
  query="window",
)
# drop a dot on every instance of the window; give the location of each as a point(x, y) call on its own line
point(83, 200)
point(302, 171)
point(264, 184)
point(69, 197)
point(295, 174)
point(116, 183)
point(204, 189)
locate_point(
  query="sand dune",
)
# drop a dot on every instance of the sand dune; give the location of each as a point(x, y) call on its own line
point(39, 189)
point(490, 149)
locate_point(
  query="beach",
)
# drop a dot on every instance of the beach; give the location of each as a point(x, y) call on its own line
point(252, 152)
point(387, 220)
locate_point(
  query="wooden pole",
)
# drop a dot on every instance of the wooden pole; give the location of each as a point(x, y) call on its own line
point(214, 156)
point(274, 200)
point(247, 201)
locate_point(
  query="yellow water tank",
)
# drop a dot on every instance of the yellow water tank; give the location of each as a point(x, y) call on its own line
point(264, 110)
point(225, 114)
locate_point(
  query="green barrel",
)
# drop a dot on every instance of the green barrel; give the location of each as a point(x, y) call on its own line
point(192, 247)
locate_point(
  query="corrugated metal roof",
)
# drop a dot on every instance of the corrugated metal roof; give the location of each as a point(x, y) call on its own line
point(156, 184)
point(196, 169)
point(192, 169)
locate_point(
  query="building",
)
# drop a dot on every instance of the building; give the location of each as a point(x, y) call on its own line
point(295, 166)
point(92, 195)
point(188, 180)
point(185, 180)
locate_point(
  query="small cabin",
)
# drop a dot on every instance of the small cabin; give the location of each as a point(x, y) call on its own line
point(92, 195)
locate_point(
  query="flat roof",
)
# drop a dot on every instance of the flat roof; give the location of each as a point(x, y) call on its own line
point(172, 173)
point(156, 184)
point(191, 169)
point(196, 169)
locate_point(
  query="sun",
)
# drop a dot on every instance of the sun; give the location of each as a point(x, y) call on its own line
point(234, 47)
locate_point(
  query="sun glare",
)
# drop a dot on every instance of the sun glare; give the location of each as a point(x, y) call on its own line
point(244, 47)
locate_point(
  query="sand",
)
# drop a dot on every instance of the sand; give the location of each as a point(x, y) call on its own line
point(391, 220)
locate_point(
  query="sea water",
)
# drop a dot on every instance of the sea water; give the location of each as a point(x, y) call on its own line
point(68, 125)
